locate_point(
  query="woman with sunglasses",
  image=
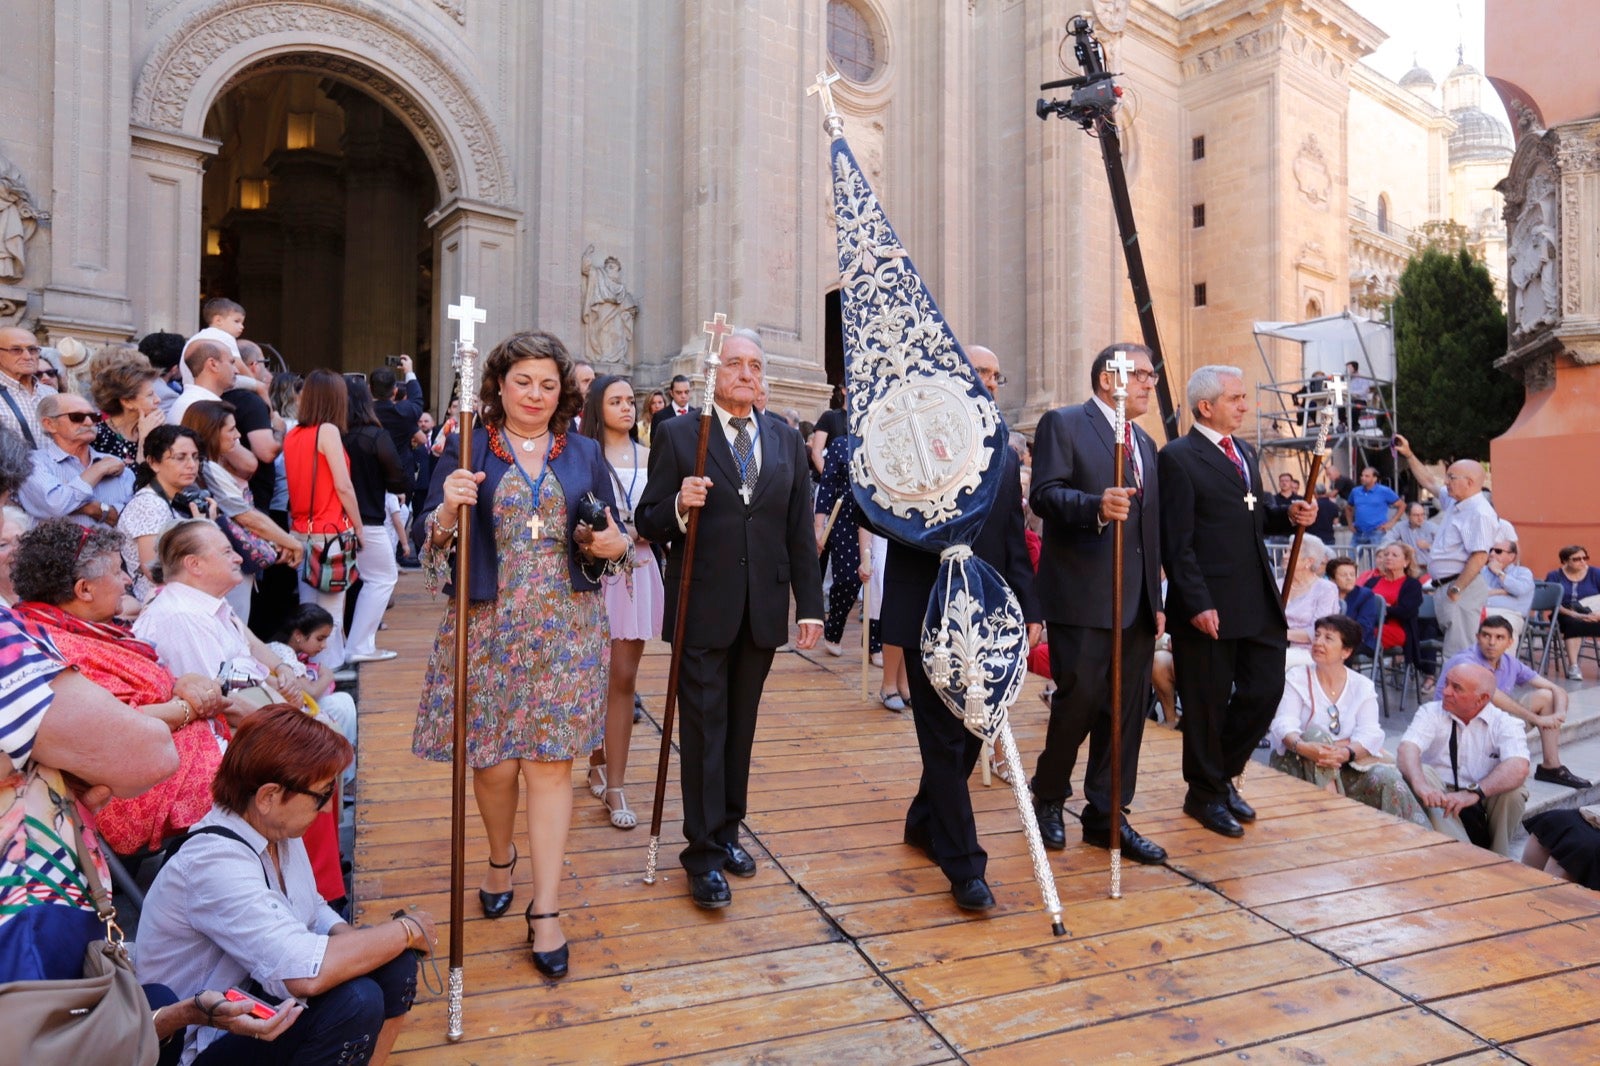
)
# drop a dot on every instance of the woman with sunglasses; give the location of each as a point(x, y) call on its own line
point(238, 907)
point(1577, 620)
point(1326, 730)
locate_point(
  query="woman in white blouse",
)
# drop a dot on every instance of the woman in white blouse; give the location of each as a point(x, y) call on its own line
point(1326, 730)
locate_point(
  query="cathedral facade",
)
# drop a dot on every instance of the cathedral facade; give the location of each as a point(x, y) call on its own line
point(617, 170)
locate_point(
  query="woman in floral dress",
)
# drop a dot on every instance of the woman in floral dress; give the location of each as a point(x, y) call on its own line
point(537, 638)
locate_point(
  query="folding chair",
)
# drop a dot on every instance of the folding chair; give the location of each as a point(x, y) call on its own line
point(1543, 629)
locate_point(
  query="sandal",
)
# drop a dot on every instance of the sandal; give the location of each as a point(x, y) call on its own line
point(999, 767)
point(598, 791)
point(892, 700)
point(621, 816)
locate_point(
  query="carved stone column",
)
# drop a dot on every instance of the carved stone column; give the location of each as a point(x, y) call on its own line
point(164, 237)
point(308, 195)
point(380, 236)
point(474, 254)
point(1552, 218)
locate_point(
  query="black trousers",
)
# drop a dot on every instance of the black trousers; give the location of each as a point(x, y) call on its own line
point(719, 691)
point(1080, 663)
point(941, 812)
point(1230, 690)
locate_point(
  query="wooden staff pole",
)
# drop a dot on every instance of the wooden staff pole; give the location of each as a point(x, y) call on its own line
point(718, 328)
point(469, 315)
point(1119, 365)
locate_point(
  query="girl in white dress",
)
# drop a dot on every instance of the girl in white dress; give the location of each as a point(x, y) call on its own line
point(633, 601)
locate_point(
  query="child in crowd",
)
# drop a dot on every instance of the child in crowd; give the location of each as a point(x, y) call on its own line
point(303, 636)
point(224, 321)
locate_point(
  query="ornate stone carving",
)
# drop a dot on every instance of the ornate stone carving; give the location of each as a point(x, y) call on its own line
point(1111, 15)
point(454, 8)
point(1579, 152)
point(19, 217)
point(1311, 173)
point(1535, 240)
point(178, 63)
point(609, 310)
point(1307, 50)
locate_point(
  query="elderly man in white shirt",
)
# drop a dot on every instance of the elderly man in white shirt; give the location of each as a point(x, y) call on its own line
point(70, 479)
point(1461, 753)
point(1467, 530)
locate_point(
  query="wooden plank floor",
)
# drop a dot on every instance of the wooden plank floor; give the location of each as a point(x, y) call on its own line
point(1329, 933)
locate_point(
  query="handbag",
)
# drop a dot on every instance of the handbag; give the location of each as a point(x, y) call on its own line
point(256, 551)
point(101, 1016)
point(329, 563)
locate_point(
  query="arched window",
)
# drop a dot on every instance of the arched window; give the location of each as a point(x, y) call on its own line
point(1383, 212)
point(852, 42)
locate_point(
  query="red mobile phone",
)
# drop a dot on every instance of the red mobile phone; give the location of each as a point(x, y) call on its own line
point(259, 1009)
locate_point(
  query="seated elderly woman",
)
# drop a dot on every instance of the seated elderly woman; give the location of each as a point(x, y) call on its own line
point(69, 582)
point(1326, 730)
point(238, 906)
point(1311, 596)
point(195, 631)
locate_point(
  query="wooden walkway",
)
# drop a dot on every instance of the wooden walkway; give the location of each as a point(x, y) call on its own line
point(1329, 933)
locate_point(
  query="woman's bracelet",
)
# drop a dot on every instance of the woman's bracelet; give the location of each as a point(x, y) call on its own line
point(448, 531)
point(188, 711)
point(407, 923)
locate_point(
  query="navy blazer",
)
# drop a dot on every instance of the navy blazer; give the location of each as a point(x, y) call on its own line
point(1363, 606)
point(580, 468)
point(1074, 453)
point(1213, 543)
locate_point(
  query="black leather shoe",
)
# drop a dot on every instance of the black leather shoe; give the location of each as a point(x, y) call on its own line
point(973, 895)
point(495, 904)
point(1238, 807)
point(552, 964)
point(738, 863)
point(1051, 828)
point(1559, 775)
point(1214, 816)
point(710, 890)
point(1134, 846)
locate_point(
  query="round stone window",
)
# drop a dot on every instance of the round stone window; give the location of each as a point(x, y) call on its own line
point(853, 42)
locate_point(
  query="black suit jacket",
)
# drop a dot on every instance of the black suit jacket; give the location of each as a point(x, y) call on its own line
point(1073, 453)
point(667, 413)
point(909, 574)
point(1212, 542)
point(399, 418)
point(746, 559)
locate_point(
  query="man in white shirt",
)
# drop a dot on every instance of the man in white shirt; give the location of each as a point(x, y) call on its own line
point(1467, 530)
point(189, 622)
point(20, 387)
point(70, 479)
point(215, 370)
point(1461, 753)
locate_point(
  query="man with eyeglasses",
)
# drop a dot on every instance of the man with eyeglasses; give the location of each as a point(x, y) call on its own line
point(1083, 507)
point(1467, 530)
point(20, 387)
point(1417, 531)
point(70, 479)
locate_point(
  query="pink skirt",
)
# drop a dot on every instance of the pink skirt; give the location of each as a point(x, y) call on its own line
point(633, 602)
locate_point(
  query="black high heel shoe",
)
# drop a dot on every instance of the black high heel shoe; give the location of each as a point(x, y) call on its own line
point(550, 963)
point(495, 904)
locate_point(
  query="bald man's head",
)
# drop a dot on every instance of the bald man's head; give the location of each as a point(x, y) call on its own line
point(987, 366)
point(1466, 690)
point(1465, 478)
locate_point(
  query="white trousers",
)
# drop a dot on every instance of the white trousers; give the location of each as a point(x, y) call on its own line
point(379, 573)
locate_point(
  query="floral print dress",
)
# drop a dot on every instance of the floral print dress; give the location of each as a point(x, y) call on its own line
point(537, 655)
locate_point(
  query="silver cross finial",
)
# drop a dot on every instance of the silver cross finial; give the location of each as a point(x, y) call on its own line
point(831, 122)
point(469, 314)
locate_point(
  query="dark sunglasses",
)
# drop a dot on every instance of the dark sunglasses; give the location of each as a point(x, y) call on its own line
point(322, 798)
point(78, 418)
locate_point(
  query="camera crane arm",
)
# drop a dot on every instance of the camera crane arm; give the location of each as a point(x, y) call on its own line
point(1094, 95)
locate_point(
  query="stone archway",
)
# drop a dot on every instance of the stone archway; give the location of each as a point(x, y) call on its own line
point(417, 73)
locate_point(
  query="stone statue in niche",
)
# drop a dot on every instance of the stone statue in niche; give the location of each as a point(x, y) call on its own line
point(609, 310)
point(1532, 254)
point(19, 217)
point(1311, 174)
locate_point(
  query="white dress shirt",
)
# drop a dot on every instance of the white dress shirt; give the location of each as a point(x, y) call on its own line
point(191, 395)
point(1111, 420)
point(196, 633)
point(216, 916)
point(1465, 529)
point(1304, 704)
point(1481, 744)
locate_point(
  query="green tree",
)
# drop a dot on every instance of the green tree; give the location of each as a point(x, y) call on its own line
point(1448, 331)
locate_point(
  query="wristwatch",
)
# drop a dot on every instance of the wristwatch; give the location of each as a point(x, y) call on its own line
point(1483, 801)
point(1454, 590)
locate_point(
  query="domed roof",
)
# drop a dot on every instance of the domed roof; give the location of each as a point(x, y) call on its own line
point(1417, 77)
point(1478, 136)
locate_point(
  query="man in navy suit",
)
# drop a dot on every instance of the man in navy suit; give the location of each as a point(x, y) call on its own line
point(939, 821)
point(1229, 635)
point(1076, 493)
point(677, 403)
point(754, 544)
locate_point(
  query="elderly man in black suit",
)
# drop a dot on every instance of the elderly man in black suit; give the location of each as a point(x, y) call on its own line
point(755, 543)
point(1077, 496)
point(940, 820)
point(678, 395)
point(1229, 635)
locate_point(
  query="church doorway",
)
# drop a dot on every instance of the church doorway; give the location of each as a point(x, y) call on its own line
point(315, 213)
